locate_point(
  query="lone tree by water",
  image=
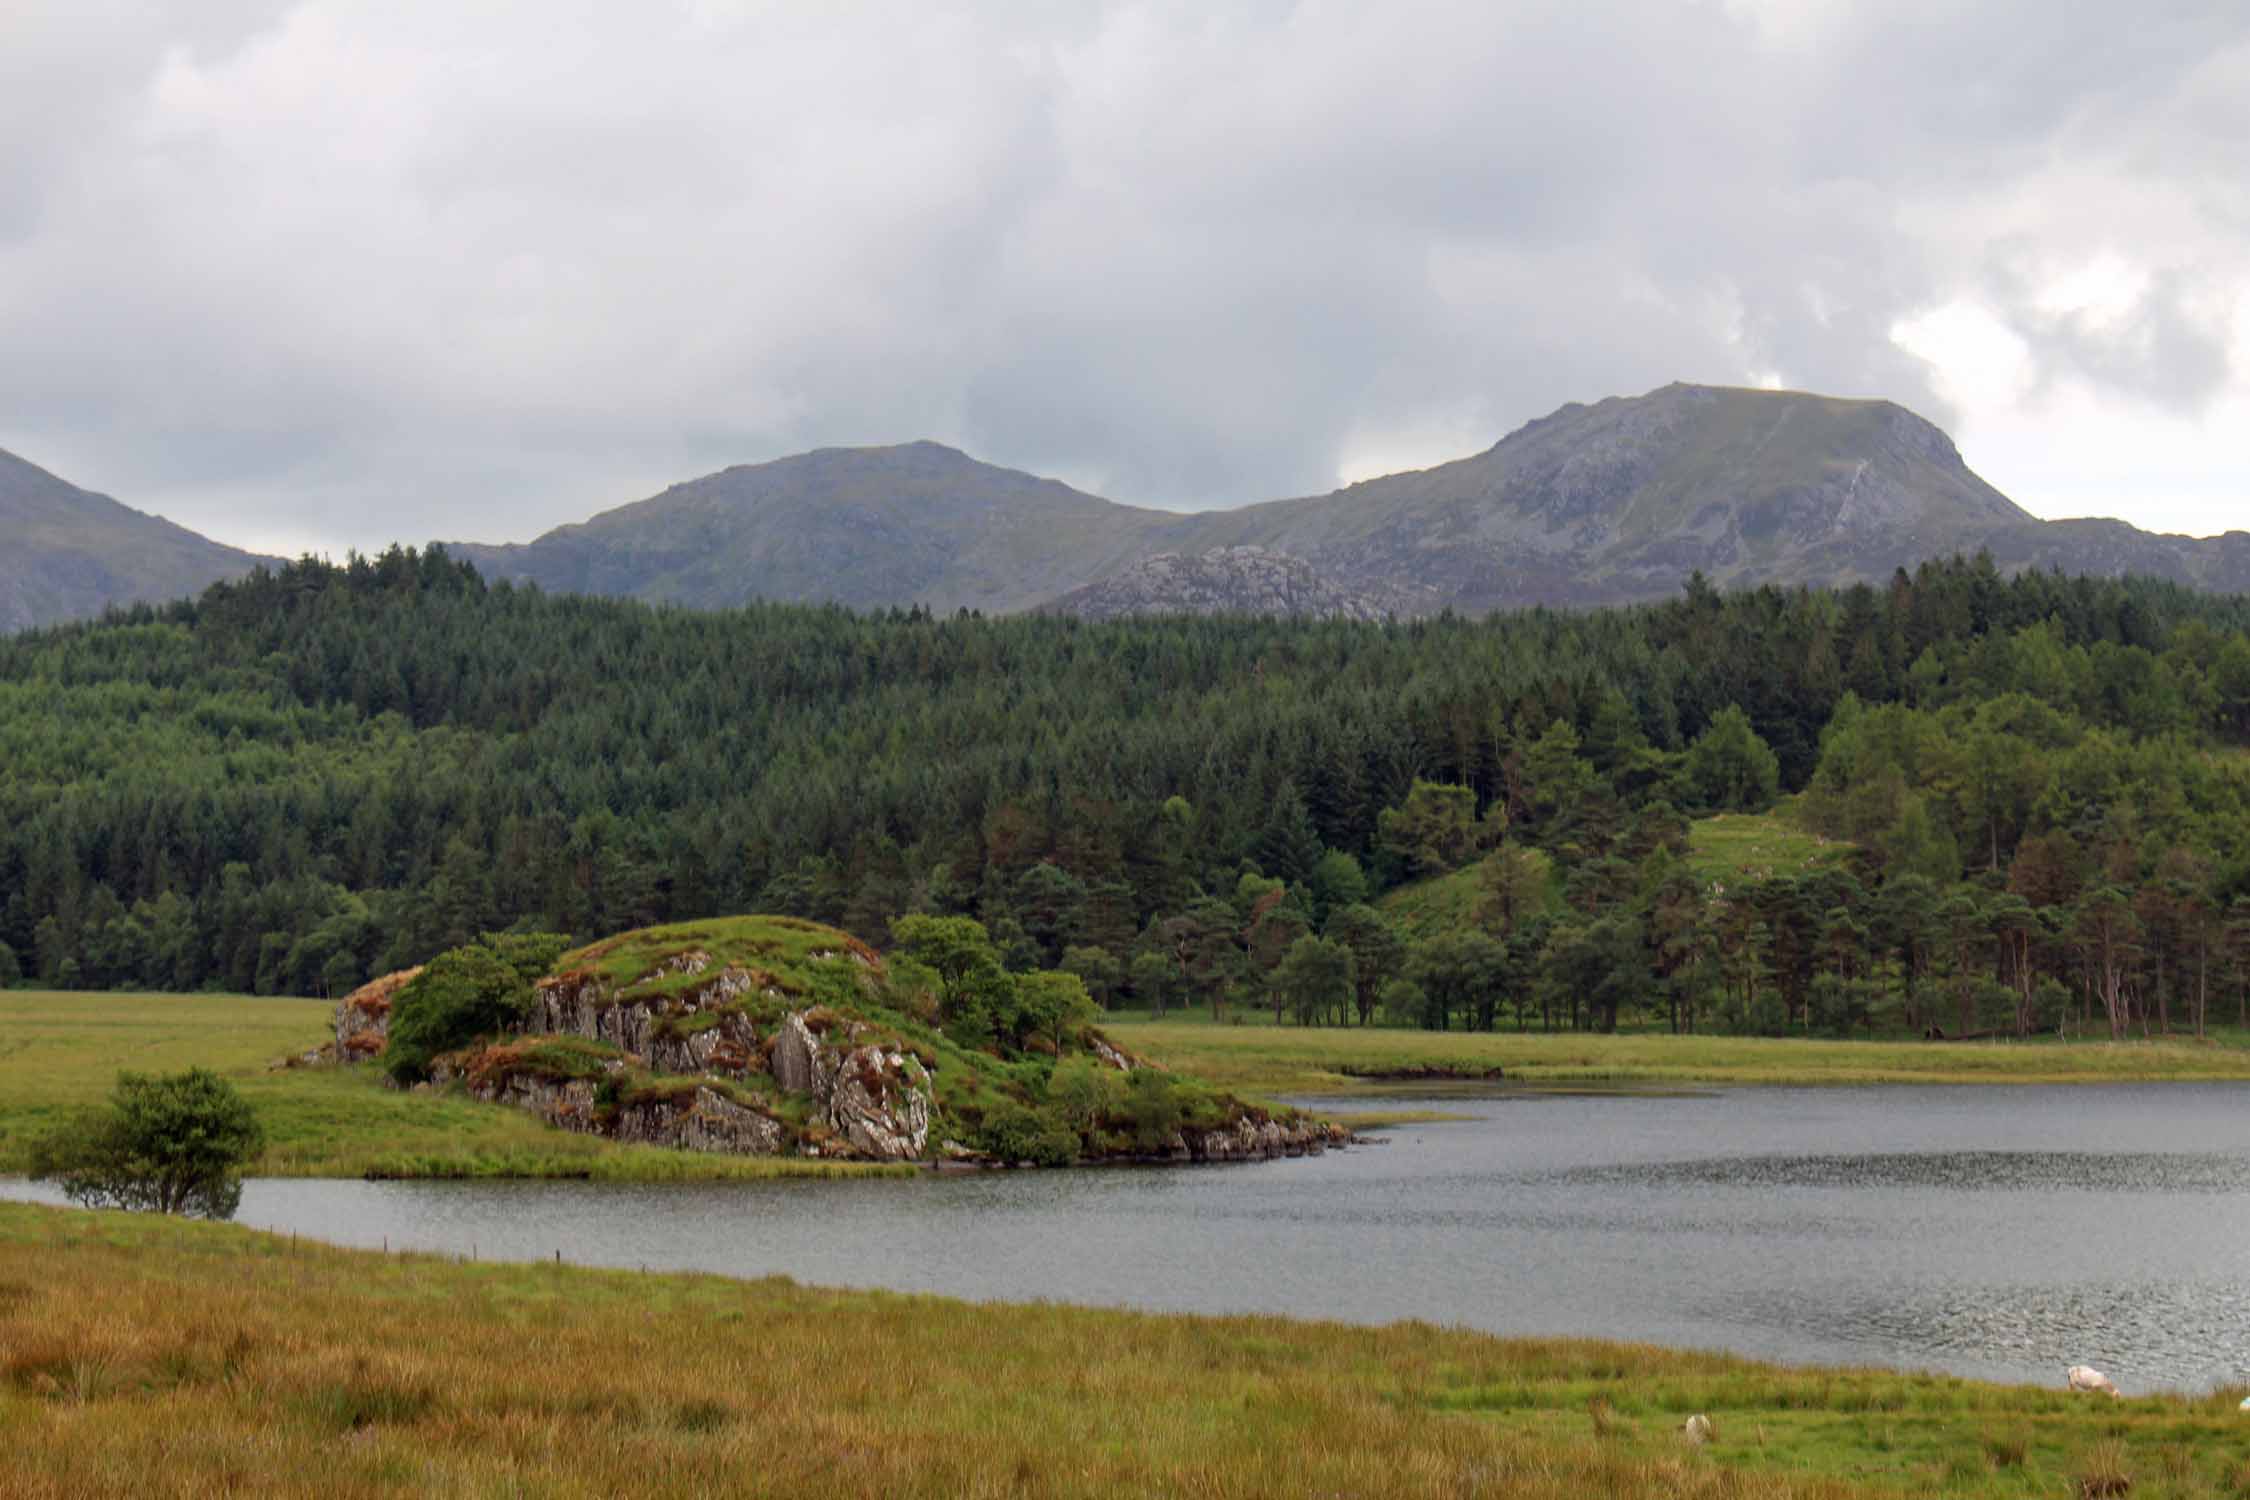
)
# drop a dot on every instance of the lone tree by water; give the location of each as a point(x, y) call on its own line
point(174, 1144)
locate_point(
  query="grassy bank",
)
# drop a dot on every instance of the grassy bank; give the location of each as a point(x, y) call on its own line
point(141, 1356)
point(60, 1051)
point(1259, 1057)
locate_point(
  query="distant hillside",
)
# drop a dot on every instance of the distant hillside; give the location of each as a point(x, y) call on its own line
point(1609, 503)
point(868, 527)
point(1623, 499)
point(68, 554)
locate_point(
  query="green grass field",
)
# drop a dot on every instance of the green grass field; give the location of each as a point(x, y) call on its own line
point(1260, 1058)
point(61, 1051)
point(142, 1356)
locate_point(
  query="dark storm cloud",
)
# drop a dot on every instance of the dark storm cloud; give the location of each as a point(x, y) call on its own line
point(337, 272)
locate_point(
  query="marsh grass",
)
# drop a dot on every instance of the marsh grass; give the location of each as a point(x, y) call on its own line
point(1263, 1059)
point(2006, 1449)
point(153, 1357)
point(2103, 1473)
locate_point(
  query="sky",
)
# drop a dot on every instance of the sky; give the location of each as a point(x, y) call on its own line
point(324, 275)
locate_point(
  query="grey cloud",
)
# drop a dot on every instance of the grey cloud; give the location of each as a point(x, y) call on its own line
point(2162, 350)
point(359, 270)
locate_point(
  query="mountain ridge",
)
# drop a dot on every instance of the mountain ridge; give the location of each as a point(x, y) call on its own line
point(72, 553)
point(1602, 503)
point(1608, 502)
point(800, 527)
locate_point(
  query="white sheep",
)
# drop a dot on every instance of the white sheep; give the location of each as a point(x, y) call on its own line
point(1697, 1429)
point(2087, 1378)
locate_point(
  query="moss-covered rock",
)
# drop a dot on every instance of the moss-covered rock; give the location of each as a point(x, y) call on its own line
point(771, 1035)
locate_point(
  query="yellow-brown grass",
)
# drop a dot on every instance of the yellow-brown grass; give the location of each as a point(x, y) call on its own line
point(148, 1357)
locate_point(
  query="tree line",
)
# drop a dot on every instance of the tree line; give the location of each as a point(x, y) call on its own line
point(322, 772)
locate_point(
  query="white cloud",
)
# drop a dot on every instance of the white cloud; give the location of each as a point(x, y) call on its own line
point(344, 270)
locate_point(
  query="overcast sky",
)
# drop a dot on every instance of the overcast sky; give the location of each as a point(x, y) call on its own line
point(328, 274)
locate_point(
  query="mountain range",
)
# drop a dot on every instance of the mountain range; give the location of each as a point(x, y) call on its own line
point(1594, 504)
point(1599, 504)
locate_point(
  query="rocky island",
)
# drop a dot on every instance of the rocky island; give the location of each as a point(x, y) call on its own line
point(769, 1036)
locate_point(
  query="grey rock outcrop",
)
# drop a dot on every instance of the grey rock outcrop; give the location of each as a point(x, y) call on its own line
point(1247, 580)
point(1253, 1140)
point(801, 1063)
point(881, 1103)
point(577, 1005)
point(705, 1120)
point(879, 1100)
point(1110, 1055)
point(876, 1100)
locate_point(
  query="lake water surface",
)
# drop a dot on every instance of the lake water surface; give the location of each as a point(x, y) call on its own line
point(1998, 1232)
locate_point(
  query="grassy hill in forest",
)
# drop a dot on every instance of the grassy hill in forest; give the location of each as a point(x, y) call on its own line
point(1449, 902)
point(1732, 849)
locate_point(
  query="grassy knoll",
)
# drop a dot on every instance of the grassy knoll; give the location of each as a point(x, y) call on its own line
point(1424, 909)
point(61, 1051)
point(1258, 1057)
point(141, 1356)
point(1730, 849)
point(1736, 847)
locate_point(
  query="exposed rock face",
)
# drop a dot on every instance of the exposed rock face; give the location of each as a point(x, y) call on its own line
point(363, 1017)
point(878, 1100)
point(1245, 580)
point(1250, 1140)
point(568, 1103)
point(801, 1064)
point(705, 1120)
point(582, 1005)
point(1111, 1056)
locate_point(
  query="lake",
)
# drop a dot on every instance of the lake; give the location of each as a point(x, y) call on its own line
point(1996, 1232)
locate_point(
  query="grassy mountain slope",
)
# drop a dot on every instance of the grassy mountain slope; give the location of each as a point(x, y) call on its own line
point(67, 553)
point(1622, 499)
point(867, 527)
